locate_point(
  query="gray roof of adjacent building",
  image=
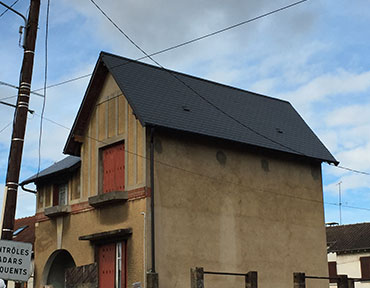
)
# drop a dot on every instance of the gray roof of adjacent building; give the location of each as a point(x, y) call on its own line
point(352, 238)
point(69, 163)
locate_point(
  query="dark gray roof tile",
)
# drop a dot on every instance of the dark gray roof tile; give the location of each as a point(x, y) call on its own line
point(158, 96)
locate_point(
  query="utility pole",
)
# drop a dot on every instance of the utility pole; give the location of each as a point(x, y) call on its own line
point(340, 202)
point(19, 124)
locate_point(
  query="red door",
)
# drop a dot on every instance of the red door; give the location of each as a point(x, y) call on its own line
point(107, 264)
point(114, 168)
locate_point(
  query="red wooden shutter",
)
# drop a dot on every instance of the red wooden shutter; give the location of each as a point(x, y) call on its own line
point(332, 271)
point(114, 168)
point(365, 267)
point(120, 167)
point(107, 264)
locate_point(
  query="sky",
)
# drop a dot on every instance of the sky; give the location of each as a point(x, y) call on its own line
point(314, 55)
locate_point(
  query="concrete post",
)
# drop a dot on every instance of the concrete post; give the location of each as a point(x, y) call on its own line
point(300, 280)
point(152, 280)
point(197, 277)
point(251, 279)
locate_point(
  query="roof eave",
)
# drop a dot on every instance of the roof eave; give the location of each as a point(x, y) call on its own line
point(51, 175)
point(72, 147)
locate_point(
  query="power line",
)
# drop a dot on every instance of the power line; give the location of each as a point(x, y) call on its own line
point(175, 46)
point(16, 87)
point(198, 94)
point(193, 90)
point(207, 176)
point(6, 126)
point(7, 9)
point(45, 81)
point(352, 170)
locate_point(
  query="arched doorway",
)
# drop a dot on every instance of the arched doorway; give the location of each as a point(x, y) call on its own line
point(55, 268)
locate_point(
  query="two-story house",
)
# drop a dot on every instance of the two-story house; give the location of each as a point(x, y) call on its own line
point(349, 252)
point(168, 172)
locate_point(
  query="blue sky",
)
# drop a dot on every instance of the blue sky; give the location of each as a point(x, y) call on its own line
point(314, 55)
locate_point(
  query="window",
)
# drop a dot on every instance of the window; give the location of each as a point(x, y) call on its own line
point(112, 265)
point(60, 194)
point(113, 168)
point(365, 267)
point(332, 271)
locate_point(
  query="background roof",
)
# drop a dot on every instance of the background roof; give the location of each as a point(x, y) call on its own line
point(348, 238)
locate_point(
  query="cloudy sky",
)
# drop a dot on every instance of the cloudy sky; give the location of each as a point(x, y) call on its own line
point(314, 55)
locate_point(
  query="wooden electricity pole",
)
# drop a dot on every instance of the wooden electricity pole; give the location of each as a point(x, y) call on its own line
point(19, 124)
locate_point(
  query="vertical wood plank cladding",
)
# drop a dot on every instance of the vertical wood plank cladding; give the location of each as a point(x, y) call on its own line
point(112, 117)
point(92, 157)
point(85, 168)
point(131, 148)
point(140, 152)
point(75, 190)
point(101, 110)
point(121, 115)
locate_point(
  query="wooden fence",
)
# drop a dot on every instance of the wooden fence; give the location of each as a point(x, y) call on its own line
point(197, 277)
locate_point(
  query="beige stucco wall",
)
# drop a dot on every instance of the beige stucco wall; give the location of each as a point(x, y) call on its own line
point(95, 221)
point(236, 216)
point(111, 121)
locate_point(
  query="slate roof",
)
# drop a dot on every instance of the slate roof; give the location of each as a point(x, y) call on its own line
point(161, 97)
point(69, 163)
point(348, 238)
point(28, 233)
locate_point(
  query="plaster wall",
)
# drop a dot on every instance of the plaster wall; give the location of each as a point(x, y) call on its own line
point(111, 121)
point(93, 221)
point(233, 209)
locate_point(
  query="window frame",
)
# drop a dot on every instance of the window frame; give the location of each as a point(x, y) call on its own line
point(365, 267)
point(57, 195)
point(333, 272)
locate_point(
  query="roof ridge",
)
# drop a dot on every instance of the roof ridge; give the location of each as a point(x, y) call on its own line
point(346, 225)
point(194, 77)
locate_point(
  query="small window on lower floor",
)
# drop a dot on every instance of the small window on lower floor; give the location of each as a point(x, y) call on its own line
point(112, 265)
point(60, 194)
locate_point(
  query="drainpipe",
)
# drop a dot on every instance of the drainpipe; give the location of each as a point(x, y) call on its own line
point(152, 196)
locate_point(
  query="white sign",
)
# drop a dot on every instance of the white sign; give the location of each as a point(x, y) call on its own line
point(15, 260)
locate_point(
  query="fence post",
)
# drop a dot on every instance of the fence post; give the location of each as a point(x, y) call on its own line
point(251, 279)
point(197, 277)
point(152, 280)
point(299, 280)
point(344, 282)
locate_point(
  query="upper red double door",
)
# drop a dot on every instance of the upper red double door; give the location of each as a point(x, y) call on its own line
point(114, 168)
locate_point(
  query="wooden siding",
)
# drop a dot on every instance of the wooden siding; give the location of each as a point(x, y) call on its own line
point(112, 121)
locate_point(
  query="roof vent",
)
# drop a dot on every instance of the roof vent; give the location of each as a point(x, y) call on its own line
point(278, 130)
point(185, 108)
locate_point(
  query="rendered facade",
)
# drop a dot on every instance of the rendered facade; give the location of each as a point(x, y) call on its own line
point(236, 187)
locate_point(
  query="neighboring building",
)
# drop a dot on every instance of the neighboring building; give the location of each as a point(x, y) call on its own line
point(24, 231)
point(236, 179)
point(349, 251)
